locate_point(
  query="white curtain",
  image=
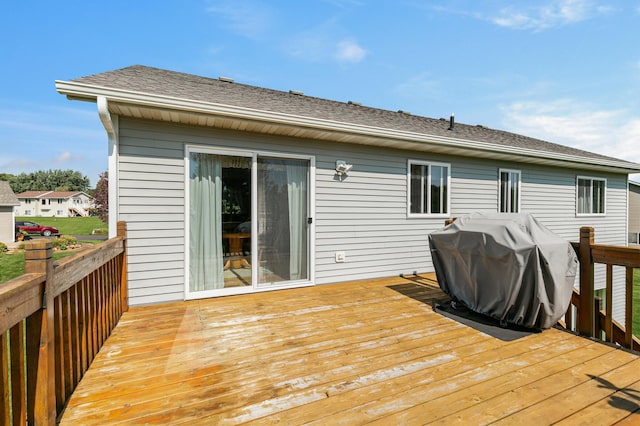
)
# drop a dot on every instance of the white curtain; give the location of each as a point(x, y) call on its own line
point(297, 200)
point(205, 218)
point(584, 197)
point(282, 219)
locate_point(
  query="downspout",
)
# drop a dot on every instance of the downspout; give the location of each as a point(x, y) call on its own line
point(111, 126)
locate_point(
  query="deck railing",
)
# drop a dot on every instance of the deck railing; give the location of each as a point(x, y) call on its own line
point(591, 319)
point(53, 321)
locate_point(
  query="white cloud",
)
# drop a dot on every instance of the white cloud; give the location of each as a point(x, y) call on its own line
point(637, 66)
point(421, 86)
point(66, 157)
point(247, 18)
point(553, 14)
point(19, 120)
point(343, 4)
point(12, 164)
point(54, 137)
point(318, 45)
point(350, 51)
point(566, 121)
point(313, 47)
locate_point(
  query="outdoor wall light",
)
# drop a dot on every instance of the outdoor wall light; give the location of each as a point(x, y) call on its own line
point(342, 168)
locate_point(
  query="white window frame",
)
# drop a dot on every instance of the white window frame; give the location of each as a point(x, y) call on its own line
point(591, 179)
point(429, 165)
point(519, 189)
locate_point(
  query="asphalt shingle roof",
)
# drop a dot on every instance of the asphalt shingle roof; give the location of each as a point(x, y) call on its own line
point(7, 196)
point(156, 81)
point(48, 194)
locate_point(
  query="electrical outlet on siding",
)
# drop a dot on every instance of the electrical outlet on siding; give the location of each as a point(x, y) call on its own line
point(340, 257)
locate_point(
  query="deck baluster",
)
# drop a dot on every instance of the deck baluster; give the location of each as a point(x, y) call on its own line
point(53, 320)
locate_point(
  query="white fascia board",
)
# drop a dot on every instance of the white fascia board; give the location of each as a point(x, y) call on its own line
point(91, 92)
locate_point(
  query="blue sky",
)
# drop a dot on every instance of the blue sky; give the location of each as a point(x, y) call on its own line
point(566, 71)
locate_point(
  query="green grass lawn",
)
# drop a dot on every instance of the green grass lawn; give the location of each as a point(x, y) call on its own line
point(69, 225)
point(12, 265)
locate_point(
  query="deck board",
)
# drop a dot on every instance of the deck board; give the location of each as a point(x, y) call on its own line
point(367, 352)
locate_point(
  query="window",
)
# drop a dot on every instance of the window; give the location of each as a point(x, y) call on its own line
point(509, 201)
point(428, 188)
point(591, 196)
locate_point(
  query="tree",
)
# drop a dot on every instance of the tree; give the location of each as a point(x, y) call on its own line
point(101, 195)
point(49, 180)
point(6, 177)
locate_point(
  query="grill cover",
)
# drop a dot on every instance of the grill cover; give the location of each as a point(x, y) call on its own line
point(507, 266)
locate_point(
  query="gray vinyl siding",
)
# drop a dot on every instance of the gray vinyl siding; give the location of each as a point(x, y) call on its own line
point(151, 201)
point(364, 215)
point(7, 229)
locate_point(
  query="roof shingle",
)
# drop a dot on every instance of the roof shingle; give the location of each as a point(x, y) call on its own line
point(48, 194)
point(7, 196)
point(148, 80)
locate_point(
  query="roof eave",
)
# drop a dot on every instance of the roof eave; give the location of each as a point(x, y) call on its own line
point(372, 135)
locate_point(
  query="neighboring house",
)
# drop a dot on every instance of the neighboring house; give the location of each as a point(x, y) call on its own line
point(8, 201)
point(634, 212)
point(55, 203)
point(228, 188)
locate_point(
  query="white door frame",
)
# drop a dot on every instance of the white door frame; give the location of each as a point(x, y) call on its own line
point(254, 287)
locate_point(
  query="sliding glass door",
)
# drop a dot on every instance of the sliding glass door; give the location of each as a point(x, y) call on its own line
point(249, 222)
point(283, 206)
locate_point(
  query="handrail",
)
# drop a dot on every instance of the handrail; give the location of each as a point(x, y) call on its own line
point(53, 321)
point(592, 320)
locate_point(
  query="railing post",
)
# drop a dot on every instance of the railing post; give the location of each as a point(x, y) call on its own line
point(586, 317)
point(122, 232)
point(628, 309)
point(41, 395)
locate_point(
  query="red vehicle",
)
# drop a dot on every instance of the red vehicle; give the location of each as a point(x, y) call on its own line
point(34, 228)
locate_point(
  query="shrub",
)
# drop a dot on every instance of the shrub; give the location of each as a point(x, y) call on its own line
point(22, 235)
point(3, 248)
point(65, 241)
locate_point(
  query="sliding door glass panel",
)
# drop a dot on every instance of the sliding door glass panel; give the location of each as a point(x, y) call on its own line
point(220, 221)
point(282, 212)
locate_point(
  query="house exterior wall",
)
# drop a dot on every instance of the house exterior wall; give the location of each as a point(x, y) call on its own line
point(54, 207)
point(28, 207)
point(634, 213)
point(364, 215)
point(79, 204)
point(7, 225)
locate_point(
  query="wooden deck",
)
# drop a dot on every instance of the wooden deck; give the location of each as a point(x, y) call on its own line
point(355, 353)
